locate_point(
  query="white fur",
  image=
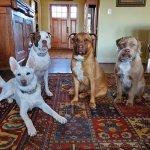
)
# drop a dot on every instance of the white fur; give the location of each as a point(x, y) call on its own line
point(78, 67)
point(124, 69)
point(6, 93)
point(24, 82)
point(42, 63)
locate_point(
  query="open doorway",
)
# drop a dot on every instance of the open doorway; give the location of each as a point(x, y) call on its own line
point(91, 18)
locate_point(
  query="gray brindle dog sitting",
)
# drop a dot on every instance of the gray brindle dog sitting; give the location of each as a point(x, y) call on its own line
point(129, 70)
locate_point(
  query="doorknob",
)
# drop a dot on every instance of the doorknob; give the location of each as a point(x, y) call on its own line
point(67, 29)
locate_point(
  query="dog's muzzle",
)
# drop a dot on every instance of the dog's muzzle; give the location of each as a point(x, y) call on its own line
point(80, 49)
point(23, 82)
point(125, 54)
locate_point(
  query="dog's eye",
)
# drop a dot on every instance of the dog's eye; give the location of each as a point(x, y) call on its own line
point(86, 40)
point(39, 37)
point(18, 74)
point(28, 73)
point(122, 46)
point(46, 36)
point(132, 44)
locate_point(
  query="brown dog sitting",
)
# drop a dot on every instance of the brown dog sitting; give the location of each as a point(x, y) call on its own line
point(88, 75)
point(129, 69)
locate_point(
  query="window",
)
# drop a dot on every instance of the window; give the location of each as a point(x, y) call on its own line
point(73, 12)
point(59, 11)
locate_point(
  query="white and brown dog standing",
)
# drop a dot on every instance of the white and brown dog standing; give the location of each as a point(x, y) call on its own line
point(39, 45)
point(88, 75)
point(129, 69)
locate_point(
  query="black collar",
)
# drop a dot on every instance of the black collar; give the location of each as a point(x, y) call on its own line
point(29, 92)
point(40, 54)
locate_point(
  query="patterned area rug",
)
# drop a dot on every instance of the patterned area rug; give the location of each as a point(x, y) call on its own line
point(108, 127)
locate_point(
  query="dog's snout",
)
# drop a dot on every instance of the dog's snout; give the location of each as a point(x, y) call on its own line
point(80, 46)
point(127, 51)
point(24, 82)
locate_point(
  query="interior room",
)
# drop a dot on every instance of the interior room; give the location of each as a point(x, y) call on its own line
point(83, 38)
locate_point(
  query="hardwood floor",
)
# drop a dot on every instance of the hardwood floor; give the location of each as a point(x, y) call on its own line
point(60, 66)
point(63, 66)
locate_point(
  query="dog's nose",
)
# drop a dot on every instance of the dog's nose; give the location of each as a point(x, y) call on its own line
point(127, 51)
point(44, 42)
point(80, 46)
point(24, 82)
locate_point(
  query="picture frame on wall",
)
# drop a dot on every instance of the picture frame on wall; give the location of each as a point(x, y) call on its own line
point(130, 3)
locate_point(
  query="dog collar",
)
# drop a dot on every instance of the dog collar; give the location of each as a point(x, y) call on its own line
point(40, 54)
point(29, 92)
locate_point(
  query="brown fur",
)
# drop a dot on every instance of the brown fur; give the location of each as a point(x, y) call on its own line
point(93, 75)
point(129, 51)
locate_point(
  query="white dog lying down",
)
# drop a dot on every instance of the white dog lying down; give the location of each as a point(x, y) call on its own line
point(27, 93)
point(39, 45)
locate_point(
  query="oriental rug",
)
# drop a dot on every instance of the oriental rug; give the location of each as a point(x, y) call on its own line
point(108, 127)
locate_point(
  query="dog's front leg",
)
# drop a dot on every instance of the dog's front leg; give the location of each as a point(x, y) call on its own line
point(51, 112)
point(131, 95)
point(119, 92)
point(76, 91)
point(132, 92)
point(48, 92)
point(30, 127)
point(92, 99)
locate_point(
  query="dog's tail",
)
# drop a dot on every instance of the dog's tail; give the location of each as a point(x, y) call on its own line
point(2, 82)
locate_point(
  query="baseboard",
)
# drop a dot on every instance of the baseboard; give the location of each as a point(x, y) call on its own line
point(106, 60)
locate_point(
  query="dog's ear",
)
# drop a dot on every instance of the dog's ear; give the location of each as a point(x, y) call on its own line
point(31, 62)
point(49, 34)
point(31, 35)
point(139, 46)
point(118, 40)
point(13, 64)
point(93, 36)
point(72, 35)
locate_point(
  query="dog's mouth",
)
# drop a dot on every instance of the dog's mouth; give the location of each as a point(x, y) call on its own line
point(80, 50)
point(126, 54)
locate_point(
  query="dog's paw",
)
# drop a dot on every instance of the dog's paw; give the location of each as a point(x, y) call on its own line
point(10, 100)
point(32, 131)
point(83, 95)
point(71, 91)
point(74, 102)
point(117, 100)
point(62, 120)
point(92, 105)
point(49, 93)
point(128, 103)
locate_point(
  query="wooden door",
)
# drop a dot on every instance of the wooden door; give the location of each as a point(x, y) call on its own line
point(63, 22)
